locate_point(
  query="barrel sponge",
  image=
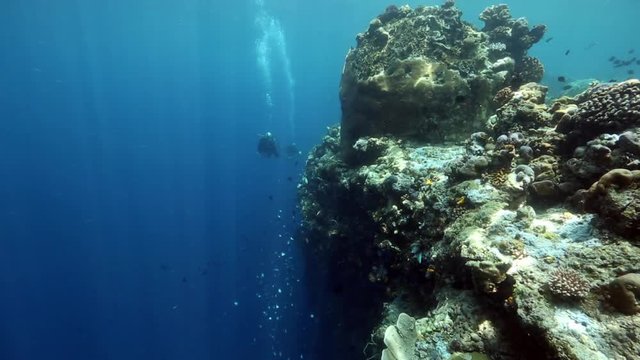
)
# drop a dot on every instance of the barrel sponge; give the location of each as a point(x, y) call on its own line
point(624, 293)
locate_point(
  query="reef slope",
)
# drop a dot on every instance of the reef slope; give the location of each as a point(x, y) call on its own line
point(519, 241)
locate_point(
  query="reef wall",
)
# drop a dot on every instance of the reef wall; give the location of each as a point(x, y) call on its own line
point(522, 241)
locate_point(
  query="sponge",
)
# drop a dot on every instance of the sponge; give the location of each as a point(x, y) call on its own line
point(400, 339)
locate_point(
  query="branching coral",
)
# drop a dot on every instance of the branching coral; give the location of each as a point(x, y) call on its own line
point(568, 284)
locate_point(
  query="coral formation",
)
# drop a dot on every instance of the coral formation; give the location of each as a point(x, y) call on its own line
point(603, 109)
point(616, 199)
point(426, 74)
point(568, 284)
point(520, 241)
point(522, 111)
point(516, 38)
point(625, 293)
point(400, 339)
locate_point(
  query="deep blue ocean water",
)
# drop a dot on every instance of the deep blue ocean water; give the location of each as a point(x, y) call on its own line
point(137, 220)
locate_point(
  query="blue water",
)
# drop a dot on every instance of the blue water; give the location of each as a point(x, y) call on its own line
point(137, 220)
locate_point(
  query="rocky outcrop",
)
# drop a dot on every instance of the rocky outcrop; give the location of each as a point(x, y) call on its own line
point(425, 74)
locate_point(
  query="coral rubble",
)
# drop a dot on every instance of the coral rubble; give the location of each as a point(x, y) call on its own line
point(520, 241)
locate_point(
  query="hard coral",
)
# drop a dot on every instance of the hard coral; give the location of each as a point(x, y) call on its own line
point(503, 96)
point(529, 69)
point(498, 178)
point(513, 32)
point(495, 16)
point(568, 284)
point(604, 109)
point(616, 199)
point(624, 293)
point(423, 74)
point(525, 109)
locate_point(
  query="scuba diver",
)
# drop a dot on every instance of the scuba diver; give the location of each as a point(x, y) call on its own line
point(268, 146)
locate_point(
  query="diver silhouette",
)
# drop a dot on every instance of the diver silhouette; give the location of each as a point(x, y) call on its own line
point(268, 146)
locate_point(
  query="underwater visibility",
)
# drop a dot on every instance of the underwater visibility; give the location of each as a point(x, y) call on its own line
point(277, 179)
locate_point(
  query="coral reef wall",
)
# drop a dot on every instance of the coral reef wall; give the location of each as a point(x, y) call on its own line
point(520, 241)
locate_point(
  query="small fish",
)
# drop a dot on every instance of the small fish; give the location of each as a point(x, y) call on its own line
point(617, 61)
point(548, 39)
point(562, 79)
point(612, 80)
point(638, 62)
point(270, 197)
point(630, 72)
point(289, 178)
point(612, 58)
point(567, 87)
point(631, 51)
point(567, 52)
point(184, 279)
